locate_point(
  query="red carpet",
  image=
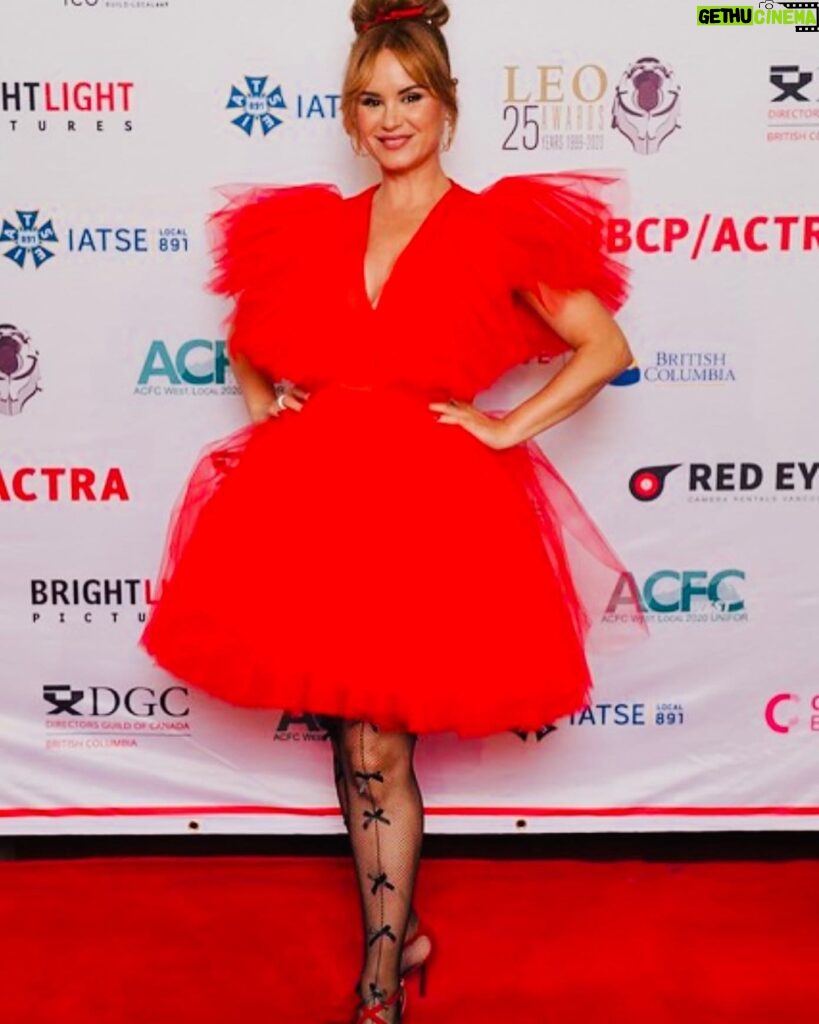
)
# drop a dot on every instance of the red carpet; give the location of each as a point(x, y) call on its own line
point(251, 939)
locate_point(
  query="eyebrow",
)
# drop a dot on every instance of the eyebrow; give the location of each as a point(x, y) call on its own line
point(409, 88)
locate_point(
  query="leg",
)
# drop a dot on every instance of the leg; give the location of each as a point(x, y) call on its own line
point(381, 802)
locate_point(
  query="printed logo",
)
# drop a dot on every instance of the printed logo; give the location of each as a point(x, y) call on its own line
point(196, 367)
point(62, 483)
point(629, 714)
point(538, 736)
point(782, 714)
point(304, 728)
point(19, 370)
point(714, 233)
point(105, 717)
point(793, 111)
point(646, 106)
point(257, 105)
point(90, 601)
point(125, 5)
point(680, 368)
point(647, 484)
point(27, 239)
point(82, 104)
point(804, 16)
point(671, 595)
point(731, 481)
point(265, 106)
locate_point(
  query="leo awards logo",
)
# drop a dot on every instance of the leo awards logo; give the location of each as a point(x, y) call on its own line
point(101, 717)
point(262, 106)
point(73, 107)
point(19, 370)
point(722, 482)
point(793, 110)
point(570, 106)
point(792, 713)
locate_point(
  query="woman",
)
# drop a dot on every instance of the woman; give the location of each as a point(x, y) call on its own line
point(397, 560)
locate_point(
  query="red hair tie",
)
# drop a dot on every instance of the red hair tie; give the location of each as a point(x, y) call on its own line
point(395, 15)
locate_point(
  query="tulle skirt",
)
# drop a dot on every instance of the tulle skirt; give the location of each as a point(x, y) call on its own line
point(362, 560)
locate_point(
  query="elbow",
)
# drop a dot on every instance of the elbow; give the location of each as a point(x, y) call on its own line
point(622, 357)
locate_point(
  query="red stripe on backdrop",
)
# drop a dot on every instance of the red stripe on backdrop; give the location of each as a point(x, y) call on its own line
point(443, 812)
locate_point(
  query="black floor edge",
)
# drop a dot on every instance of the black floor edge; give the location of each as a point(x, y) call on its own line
point(651, 846)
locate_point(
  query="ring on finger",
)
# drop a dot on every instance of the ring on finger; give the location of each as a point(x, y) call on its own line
point(280, 400)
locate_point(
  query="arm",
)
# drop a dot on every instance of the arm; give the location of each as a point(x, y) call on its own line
point(601, 352)
point(259, 391)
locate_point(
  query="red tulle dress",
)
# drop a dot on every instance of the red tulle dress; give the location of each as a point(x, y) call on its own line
point(359, 558)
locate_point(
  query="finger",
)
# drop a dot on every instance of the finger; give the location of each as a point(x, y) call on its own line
point(444, 407)
point(299, 392)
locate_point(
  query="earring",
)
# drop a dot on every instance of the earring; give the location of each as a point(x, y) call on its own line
point(446, 139)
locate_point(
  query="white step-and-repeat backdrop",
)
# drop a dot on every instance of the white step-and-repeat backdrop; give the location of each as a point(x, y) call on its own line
point(118, 118)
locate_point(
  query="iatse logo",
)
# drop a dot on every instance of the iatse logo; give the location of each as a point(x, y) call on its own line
point(262, 107)
point(745, 482)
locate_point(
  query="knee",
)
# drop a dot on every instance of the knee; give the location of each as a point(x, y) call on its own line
point(367, 751)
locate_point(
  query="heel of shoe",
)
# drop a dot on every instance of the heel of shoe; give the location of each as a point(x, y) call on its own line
point(422, 979)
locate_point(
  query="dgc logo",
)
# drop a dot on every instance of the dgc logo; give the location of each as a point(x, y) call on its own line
point(19, 370)
point(104, 701)
point(781, 717)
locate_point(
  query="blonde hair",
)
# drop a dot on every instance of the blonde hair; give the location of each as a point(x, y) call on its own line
point(417, 42)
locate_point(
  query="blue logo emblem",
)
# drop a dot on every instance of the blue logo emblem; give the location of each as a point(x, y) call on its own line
point(28, 239)
point(256, 104)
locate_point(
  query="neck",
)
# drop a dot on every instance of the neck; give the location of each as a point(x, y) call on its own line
point(413, 188)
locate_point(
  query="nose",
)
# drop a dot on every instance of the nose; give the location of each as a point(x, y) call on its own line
point(392, 115)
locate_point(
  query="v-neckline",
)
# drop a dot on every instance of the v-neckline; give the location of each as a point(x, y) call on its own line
point(369, 196)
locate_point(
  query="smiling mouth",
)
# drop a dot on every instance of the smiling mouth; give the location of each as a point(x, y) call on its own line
point(386, 139)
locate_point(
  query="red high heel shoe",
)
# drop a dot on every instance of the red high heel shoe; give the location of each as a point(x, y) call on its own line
point(372, 1014)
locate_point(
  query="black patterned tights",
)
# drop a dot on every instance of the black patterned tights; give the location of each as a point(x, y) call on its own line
point(382, 808)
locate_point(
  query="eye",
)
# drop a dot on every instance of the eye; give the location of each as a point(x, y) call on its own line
point(369, 101)
point(413, 97)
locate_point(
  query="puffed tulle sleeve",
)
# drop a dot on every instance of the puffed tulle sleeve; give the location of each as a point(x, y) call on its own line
point(554, 229)
point(267, 242)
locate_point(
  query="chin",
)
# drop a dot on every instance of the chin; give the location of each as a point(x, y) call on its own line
point(401, 161)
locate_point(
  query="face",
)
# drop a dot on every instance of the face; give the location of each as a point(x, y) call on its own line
point(399, 122)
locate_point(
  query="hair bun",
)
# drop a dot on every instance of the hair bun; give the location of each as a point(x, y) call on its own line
point(366, 11)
